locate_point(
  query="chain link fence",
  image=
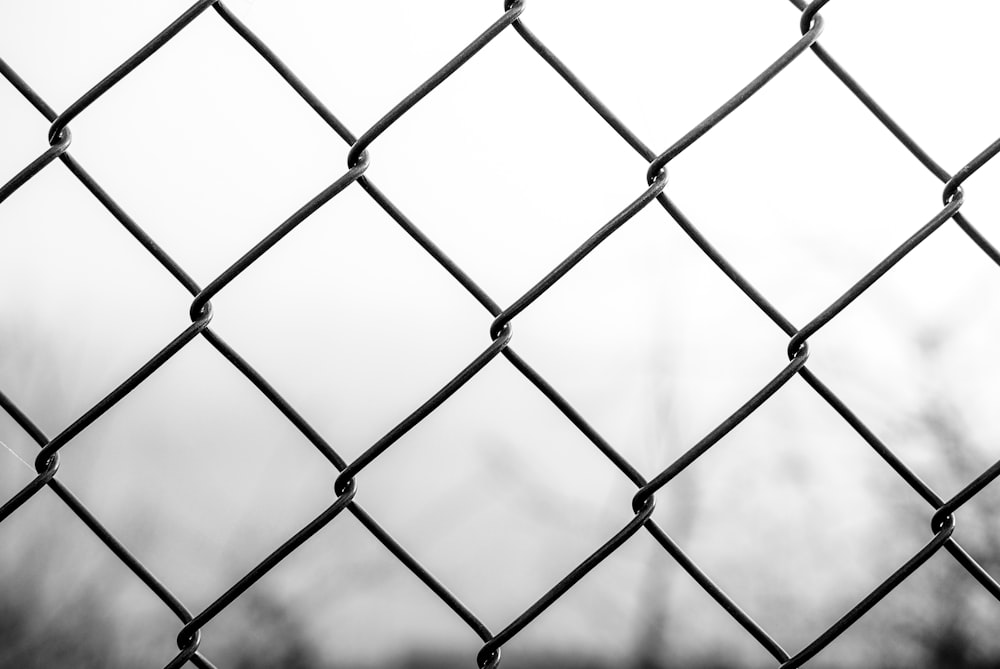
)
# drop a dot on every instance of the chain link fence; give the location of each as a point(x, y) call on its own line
point(652, 192)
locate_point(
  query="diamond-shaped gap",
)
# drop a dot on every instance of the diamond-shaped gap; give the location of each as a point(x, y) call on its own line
point(790, 198)
point(68, 600)
point(505, 192)
point(636, 608)
point(363, 58)
point(681, 624)
point(223, 156)
point(907, 357)
point(219, 477)
point(789, 512)
point(496, 482)
point(63, 48)
point(639, 337)
point(663, 67)
point(352, 321)
point(938, 617)
point(22, 133)
point(346, 600)
point(84, 293)
point(896, 71)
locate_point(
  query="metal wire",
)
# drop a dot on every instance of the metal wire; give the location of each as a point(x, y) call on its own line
point(942, 511)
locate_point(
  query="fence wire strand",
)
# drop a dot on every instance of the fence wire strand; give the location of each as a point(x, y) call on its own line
point(942, 516)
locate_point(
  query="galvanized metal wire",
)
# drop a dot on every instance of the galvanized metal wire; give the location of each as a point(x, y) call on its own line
point(942, 512)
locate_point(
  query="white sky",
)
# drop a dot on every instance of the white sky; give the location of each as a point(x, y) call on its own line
point(508, 170)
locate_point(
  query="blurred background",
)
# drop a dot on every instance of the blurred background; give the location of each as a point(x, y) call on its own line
point(496, 493)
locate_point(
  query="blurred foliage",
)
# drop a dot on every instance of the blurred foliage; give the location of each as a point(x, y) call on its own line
point(76, 635)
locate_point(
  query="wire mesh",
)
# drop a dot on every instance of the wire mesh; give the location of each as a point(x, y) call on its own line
point(941, 512)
